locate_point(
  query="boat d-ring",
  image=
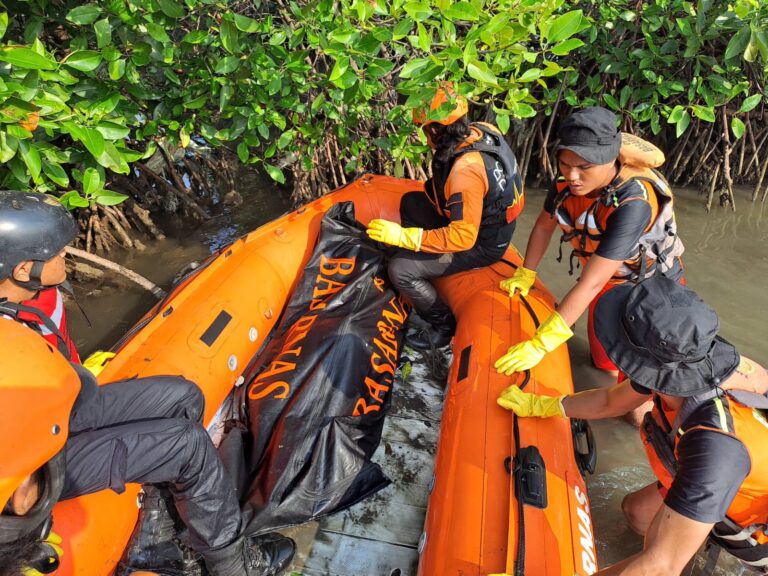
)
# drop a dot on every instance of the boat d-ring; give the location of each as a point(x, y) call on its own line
point(584, 448)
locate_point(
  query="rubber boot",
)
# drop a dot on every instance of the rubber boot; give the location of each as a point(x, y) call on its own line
point(154, 545)
point(440, 332)
point(266, 555)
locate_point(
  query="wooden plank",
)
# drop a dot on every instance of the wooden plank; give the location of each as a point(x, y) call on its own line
point(332, 554)
point(406, 452)
point(380, 519)
point(421, 434)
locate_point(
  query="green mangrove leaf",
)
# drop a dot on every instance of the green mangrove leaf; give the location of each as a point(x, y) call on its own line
point(171, 8)
point(275, 173)
point(85, 14)
point(55, 173)
point(750, 103)
point(83, 60)
point(737, 127)
point(564, 26)
point(108, 197)
point(22, 57)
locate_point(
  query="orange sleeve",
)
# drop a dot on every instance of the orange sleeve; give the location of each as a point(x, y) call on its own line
point(465, 189)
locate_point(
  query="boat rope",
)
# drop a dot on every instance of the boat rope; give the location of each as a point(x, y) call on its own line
point(520, 558)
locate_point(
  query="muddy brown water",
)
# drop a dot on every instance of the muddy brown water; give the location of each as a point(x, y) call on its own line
point(726, 262)
point(113, 306)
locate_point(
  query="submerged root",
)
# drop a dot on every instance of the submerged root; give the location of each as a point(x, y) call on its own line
point(115, 267)
point(172, 181)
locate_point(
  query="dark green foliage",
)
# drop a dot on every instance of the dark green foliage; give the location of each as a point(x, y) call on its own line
point(88, 88)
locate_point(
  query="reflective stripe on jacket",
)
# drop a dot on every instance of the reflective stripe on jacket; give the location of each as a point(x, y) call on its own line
point(50, 302)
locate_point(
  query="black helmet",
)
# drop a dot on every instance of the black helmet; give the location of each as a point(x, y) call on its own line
point(34, 227)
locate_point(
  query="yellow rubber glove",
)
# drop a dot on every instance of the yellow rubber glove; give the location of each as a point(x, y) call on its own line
point(394, 234)
point(54, 541)
point(525, 355)
point(521, 280)
point(525, 404)
point(97, 361)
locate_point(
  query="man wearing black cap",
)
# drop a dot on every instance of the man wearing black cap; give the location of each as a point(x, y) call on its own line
point(615, 210)
point(706, 437)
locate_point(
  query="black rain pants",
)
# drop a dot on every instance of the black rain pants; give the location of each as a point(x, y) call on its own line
point(148, 430)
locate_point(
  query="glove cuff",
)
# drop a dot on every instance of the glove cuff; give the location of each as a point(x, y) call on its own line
point(553, 332)
point(420, 237)
point(410, 238)
point(527, 273)
point(557, 322)
point(562, 408)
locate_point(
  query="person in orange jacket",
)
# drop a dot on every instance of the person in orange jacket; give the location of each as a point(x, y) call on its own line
point(144, 430)
point(465, 217)
point(705, 437)
point(616, 212)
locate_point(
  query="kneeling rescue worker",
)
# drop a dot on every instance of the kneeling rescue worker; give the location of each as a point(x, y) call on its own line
point(616, 212)
point(465, 217)
point(706, 437)
point(64, 436)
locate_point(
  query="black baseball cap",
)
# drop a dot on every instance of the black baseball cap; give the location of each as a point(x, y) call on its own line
point(664, 337)
point(592, 134)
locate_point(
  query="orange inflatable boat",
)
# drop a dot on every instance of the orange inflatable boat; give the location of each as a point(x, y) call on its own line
point(207, 329)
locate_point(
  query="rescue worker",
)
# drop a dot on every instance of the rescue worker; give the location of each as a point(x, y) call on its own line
point(22, 267)
point(465, 217)
point(705, 438)
point(145, 430)
point(616, 212)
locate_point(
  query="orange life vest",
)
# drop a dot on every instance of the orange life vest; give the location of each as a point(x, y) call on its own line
point(583, 220)
point(736, 413)
point(505, 198)
point(36, 317)
point(38, 388)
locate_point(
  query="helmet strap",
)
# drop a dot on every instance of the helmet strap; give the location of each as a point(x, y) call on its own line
point(67, 286)
point(34, 283)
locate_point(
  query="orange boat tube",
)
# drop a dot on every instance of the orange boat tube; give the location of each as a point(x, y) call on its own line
point(474, 524)
point(214, 321)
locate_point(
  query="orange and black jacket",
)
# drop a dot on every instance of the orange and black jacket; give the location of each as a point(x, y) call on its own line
point(479, 189)
point(693, 474)
point(586, 221)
